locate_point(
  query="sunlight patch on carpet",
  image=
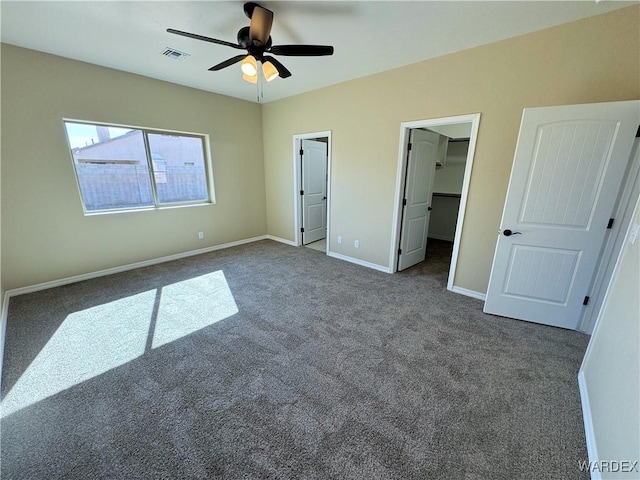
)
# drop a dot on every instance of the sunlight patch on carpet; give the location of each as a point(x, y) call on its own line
point(93, 341)
point(188, 306)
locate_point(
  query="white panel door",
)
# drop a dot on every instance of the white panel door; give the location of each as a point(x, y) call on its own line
point(314, 187)
point(567, 171)
point(417, 197)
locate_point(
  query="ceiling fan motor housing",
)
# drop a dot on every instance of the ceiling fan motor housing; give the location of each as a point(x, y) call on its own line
point(245, 42)
point(243, 37)
point(256, 40)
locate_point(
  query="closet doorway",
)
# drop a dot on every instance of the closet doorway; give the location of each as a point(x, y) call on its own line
point(434, 169)
point(311, 154)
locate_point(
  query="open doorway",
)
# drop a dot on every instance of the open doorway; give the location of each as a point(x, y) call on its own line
point(311, 154)
point(434, 169)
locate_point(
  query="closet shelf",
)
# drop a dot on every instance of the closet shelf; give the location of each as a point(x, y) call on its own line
point(439, 194)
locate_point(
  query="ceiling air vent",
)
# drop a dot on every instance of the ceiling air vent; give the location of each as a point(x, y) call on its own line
point(174, 54)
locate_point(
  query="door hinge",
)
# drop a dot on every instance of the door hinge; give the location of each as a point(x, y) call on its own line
point(610, 224)
point(399, 251)
point(404, 202)
point(302, 230)
point(301, 192)
point(586, 300)
point(409, 146)
point(301, 152)
point(638, 132)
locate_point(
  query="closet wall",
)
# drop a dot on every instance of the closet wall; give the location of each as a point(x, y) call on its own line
point(447, 187)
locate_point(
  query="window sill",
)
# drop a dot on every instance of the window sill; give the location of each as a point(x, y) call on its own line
point(147, 209)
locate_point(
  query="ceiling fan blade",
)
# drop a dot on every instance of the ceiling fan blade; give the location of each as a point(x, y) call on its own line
point(282, 70)
point(227, 63)
point(203, 38)
point(302, 50)
point(260, 28)
point(248, 8)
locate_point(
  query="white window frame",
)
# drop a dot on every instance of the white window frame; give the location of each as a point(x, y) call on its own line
point(157, 205)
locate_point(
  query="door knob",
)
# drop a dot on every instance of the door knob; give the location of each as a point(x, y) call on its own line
point(429, 208)
point(508, 233)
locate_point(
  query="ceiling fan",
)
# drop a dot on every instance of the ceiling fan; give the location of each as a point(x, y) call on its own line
point(256, 40)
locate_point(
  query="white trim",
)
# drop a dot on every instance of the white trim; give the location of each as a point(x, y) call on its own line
point(206, 149)
point(623, 215)
point(582, 381)
point(130, 266)
point(297, 173)
point(592, 450)
point(475, 125)
point(3, 329)
point(617, 264)
point(108, 271)
point(467, 292)
point(281, 240)
point(357, 261)
point(405, 128)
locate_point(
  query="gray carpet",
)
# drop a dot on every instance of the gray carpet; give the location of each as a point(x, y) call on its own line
point(327, 370)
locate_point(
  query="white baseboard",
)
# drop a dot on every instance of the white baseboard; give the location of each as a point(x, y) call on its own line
point(3, 329)
point(281, 240)
point(131, 266)
point(363, 263)
point(469, 293)
point(592, 451)
point(101, 273)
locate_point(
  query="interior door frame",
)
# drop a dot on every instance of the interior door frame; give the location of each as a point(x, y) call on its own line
point(623, 211)
point(405, 130)
point(297, 183)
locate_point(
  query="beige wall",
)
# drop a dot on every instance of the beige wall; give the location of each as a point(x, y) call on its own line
point(611, 368)
point(592, 60)
point(45, 235)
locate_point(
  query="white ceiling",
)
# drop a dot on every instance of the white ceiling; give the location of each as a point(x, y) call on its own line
point(368, 37)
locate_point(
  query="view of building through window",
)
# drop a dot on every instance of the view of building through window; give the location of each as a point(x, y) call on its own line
point(123, 168)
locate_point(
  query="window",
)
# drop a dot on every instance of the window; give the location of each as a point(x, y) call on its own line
point(121, 168)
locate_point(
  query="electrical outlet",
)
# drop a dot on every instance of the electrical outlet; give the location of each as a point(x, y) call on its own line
point(200, 235)
point(356, 244)
point(339, 238)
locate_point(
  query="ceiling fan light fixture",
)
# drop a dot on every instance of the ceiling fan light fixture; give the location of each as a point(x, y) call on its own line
point(250, 78)
point(256, 40)
point(269, 70)
point(249, 66)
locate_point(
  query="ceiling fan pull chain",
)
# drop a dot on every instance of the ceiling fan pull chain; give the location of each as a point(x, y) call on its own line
point(260, 74)
point(258, 83)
